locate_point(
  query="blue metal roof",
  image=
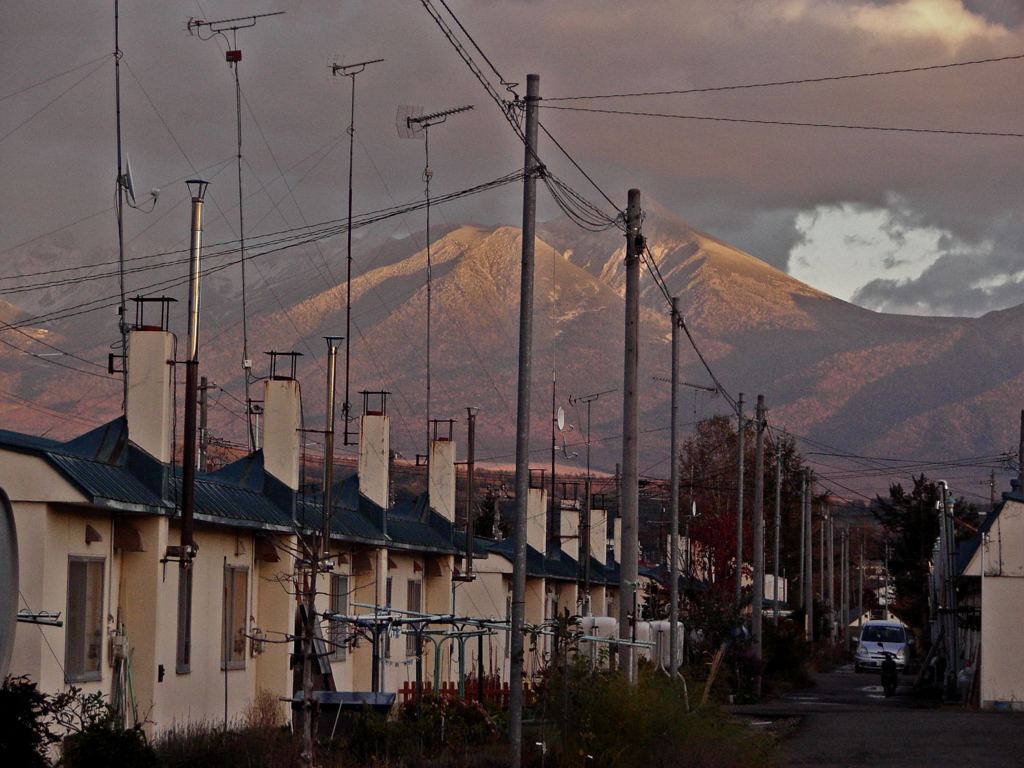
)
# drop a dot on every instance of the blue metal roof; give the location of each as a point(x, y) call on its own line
point(105, 482)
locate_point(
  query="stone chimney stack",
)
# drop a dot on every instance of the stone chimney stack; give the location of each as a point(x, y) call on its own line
point(282, 419)
point(570, 534)
point(149, 408)
point(441, 478)
point(537, 519)
point(374, 450)
point(617, 540)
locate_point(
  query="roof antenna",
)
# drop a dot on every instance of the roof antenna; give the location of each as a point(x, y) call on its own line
point(233, 56)
point(350, 71)
point(413, 124)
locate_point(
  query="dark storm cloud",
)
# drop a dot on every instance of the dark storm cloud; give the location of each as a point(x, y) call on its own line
point(742, 183)
point(960, 282)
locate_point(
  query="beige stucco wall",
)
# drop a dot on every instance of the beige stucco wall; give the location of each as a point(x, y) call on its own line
point(1002, 596)
point(47, 537)
point(29, 478)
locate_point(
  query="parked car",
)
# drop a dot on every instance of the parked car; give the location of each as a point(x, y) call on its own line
point(878, 638)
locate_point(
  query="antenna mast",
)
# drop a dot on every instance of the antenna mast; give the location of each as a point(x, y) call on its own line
point(350, 71)
point(417, 124)
point(122, 326)
point(233, 56)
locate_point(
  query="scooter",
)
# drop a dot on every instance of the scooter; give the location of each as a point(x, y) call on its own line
point(890, 674)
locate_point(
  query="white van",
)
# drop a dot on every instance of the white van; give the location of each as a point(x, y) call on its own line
point(878, 638)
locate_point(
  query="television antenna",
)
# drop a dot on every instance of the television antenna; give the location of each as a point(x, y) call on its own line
point(413, 124)
point(206, 29)
point(350, 71)
point(589, 400)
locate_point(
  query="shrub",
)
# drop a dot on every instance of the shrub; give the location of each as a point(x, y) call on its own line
point(25, 734)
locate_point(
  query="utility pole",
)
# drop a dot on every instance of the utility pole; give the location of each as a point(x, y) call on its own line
point(739, 502)
point(831, 570)
point(630, 501)
point(350, 71)
point(204, 433)
point(803, 541)
point(860, 584)
point(778, 531)
point(471, 413)
point(1020, 454)
point(757, 614)
point(845, 584)
point(532, 169)
point(673, 548)
point(809, 562)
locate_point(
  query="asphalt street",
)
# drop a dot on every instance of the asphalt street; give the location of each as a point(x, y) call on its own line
point(845, 720)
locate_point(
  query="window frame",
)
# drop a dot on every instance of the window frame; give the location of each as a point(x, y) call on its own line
point(337, 632)
point(228, 628)
point(85, 676)
point(410, 639)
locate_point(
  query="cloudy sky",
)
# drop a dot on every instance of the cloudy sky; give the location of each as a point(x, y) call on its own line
point(902, 222)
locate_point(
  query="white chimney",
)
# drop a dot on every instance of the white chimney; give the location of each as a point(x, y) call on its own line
point(571, 532)
point(617, 540)
point(537, 519)
point(374, 447)
point(282, 419)
point(441, 478)
point(150, 402)
point(599, 535)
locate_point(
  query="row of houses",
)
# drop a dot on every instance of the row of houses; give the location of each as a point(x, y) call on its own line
point(97, 518)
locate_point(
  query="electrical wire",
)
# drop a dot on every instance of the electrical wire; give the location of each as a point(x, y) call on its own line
point(54, 100)
point(800, 81)
point(789, 123)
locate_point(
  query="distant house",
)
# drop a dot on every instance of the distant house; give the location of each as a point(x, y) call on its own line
point(996, 567)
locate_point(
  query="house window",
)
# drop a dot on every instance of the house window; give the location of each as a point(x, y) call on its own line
point(183, 655)
point(387, 635)
point(236, 584)
point(83, 651)
point(414, 603)
point(337, 631)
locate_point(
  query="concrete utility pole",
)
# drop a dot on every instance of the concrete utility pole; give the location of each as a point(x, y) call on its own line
point(844, 602)
point(809, 562)
point(803, 541)
point(532, 170)
point(673, 548)
point(831, 571)
point(1020, 454)
point(757, 614)
point(860, 584)
point(778, 531)
point(739, 501)
point(630, 503)
point(471, 412)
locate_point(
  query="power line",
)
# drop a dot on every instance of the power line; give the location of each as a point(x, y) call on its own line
point(800, 81)
point(790, 123)
point(51, 78)
point(55, 99)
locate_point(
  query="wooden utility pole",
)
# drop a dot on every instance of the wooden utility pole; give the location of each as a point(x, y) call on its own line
point(532, 170)
point(757, 613)
point(630, 503)
point(739, 501)
point(673, 547)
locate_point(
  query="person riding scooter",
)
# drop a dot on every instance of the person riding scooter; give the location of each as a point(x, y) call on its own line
point(889, 672)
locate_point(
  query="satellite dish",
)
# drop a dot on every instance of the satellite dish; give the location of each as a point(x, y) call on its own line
point(406, 128)
point(560, 417)
point(128, 182)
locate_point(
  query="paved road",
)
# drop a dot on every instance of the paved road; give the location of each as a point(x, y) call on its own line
point(845, 721)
